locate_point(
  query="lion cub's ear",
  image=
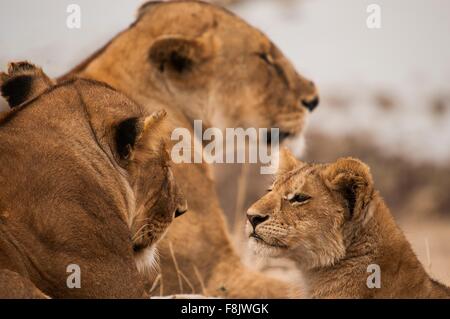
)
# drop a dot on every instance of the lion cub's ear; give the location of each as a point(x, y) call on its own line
point(287, 161)
point(177, 54)
point(23, 82)
point(352, 179)
point(137, 137)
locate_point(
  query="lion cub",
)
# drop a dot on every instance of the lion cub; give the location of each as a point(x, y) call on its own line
point(329, 219)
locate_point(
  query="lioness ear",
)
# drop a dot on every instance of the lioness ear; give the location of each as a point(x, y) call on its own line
point(23, 82)
point(137, 137)
point(352, 179)
point(287, 161)
point(177, 54)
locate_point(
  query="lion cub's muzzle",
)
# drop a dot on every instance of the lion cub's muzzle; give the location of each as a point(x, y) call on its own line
point(254, 220)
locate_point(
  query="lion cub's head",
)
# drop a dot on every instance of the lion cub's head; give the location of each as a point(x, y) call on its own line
point(105, 139)
point(311, 210)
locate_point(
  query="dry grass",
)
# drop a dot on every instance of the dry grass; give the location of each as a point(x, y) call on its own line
point(180, 275)
point(200, 280)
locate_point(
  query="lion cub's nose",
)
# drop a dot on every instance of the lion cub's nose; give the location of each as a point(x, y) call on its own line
point(256, 219)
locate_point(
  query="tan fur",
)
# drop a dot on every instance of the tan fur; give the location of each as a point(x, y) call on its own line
point(15, 286)
point(203, 62)
point(337, 233)
point(69, 197)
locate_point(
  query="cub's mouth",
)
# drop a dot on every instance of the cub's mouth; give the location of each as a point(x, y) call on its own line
point(259, 240)
point(256, 237)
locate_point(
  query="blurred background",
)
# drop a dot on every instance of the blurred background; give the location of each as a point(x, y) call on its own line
point(385, 96)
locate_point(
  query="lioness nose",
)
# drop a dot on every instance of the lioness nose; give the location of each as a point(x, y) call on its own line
point(183, 208)
point(255, 220)
point(311, 104)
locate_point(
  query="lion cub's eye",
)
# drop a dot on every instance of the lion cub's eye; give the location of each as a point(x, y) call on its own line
point(298, 198)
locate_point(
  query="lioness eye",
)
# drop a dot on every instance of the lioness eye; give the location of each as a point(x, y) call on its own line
point(266, 58)
point(299, 198)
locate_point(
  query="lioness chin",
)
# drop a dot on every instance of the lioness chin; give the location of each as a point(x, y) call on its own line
point(329, 220)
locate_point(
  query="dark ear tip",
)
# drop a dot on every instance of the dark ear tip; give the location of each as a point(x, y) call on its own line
point(18, 71)
point(23, 81)
point(15, 89)
point(21, 66)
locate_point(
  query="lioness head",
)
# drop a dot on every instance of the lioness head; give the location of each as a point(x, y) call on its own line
point(158, 199)
point(104, 139)
point(208, 62)
point(311, 211)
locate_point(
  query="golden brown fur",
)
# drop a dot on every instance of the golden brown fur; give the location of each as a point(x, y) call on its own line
point(204, 63)
point(84, 180)
point(329, 219)
point(15, 286)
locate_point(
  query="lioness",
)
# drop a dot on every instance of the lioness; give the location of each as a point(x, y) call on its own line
point(329, 219)
point(85, 184)
point(205, 63)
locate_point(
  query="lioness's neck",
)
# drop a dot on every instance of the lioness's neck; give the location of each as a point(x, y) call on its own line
point(374, 248)
point(151, 90)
